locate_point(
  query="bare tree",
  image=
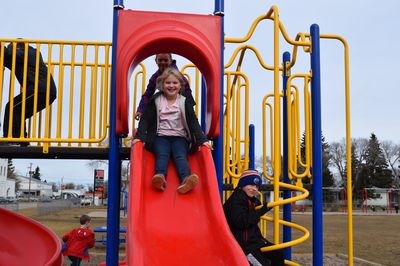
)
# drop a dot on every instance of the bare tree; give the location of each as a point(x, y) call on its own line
point(258, 164)
point(338, 157)
point(96, 164)
point(392, 154)
point(70, 185)
point(359, 152)
point(360, 148)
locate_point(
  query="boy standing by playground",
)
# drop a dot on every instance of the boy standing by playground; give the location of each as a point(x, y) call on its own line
point(169, 128)
point(243, 212)
point(163, 61)
point(78, 241)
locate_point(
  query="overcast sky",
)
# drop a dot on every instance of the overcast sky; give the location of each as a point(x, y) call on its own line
point(370, 27)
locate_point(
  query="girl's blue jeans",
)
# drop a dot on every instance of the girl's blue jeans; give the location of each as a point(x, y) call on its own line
point(177, 147)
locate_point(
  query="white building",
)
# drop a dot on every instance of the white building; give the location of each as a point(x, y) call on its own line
point(378, 197)
point(7, 186)
point(33, 186)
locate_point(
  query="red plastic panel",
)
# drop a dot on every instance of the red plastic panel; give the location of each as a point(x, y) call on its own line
point(24, 241)
point(168, 228)
point(196, 37)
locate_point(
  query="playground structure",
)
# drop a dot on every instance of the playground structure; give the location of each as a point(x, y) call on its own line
point(224, 115)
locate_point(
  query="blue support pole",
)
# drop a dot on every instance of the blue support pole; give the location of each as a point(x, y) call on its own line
point(287, 208)
point(317, 146)
point(218, 152)
point(251, 147)
point(114, 165)
point(203, 96)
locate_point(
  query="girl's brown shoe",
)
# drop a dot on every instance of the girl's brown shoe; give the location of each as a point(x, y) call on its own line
point(188, 184)
point(158, 182)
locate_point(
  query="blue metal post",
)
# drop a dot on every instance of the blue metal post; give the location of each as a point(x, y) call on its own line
point(114, 166)
point(203, 105)
point(287, 208)
point(219, 141)
point(251, 147)
point(317, 146)
point(125, 192)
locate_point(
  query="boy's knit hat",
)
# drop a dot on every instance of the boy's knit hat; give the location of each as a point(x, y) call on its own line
point(249, 177)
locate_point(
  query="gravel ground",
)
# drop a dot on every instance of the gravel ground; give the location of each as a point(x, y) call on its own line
point(301, 259)
point(330, 260)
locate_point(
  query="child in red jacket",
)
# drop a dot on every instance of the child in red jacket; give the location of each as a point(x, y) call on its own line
point(78, 241)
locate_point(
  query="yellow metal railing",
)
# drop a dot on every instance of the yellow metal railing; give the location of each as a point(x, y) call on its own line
point(348, 142)
point(274, 107)
point(81, 72)
point(193, 75)
point(298, 117)
point(236, 121)
point(294, 129)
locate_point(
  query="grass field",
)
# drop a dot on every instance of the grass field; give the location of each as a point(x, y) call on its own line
point(376, 237)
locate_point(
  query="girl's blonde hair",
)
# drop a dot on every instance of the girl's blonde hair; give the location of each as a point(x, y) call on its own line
point(167, 72)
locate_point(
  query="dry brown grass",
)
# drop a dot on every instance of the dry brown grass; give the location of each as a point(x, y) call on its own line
point(61, 222)
point(376, 237)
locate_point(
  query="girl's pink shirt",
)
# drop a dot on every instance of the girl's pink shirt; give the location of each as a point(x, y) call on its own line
point(170, 121)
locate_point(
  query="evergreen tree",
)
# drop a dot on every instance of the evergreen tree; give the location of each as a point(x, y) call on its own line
point(327, 176)
point(11, 170)
point(376, 172)
point(300, 167)
point(37, 174)
point(356, 169)
point(12, 175)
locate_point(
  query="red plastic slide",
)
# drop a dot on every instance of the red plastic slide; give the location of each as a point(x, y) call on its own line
point(24, 241)
point(197, 37)
point(168, 228)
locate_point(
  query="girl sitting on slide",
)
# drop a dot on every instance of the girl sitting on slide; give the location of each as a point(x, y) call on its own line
point(169, 127)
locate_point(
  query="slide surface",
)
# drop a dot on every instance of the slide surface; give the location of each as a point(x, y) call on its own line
point(24, 241)
point(168, 228)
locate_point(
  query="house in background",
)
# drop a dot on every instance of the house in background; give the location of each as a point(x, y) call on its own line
point(34, 187)
point(384, 198)
point(7, 186)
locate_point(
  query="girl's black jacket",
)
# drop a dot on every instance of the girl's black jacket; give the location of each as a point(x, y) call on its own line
point(148, 124)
